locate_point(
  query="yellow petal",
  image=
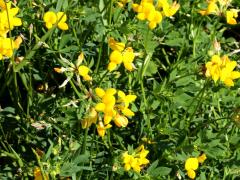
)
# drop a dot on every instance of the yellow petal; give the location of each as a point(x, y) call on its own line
point(100, 107)
point(112, 66)
point(202, 158)
point(100, 92)
point(83, 70)
point(111, 91)
point(121, 121)
point(191, 163)
point(127, 112)
point(131, 98)
point(63, 26)
point(116, 46)
point(50, 17)
point(17, 21)
point(191, 174)
point(116, 57)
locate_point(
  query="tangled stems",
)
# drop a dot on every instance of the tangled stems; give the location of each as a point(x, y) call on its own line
point(200, 96)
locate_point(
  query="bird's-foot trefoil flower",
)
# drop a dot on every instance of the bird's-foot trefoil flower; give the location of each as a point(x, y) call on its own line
point(114, 106)
point(136, 160)
point(222, 68)
point(50, 18)
point(119, 55)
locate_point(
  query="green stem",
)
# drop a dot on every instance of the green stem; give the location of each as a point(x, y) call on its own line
point(199, 102)
point(75, 89)
point(40, 165)
point(99, 56)
point(110, 12)
point(84, 141)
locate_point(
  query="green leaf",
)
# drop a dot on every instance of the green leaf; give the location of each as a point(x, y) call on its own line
point(151, 69)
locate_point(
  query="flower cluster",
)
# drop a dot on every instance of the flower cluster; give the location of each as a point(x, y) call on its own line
point(119, 55)
point(218, 7)
point(7, 22)
point(222, 68)
point(154, 14)
point(191, 165)
point(136, 160)
point(71, 69)
point(50, 18)
point(113, 109)
point(7, 18)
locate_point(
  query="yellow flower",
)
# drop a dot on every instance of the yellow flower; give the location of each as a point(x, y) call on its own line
point(191, 163)
point(90, 119)
point(156, 20)
point(213, 68)
point(128, 57)
point(119, 55)
point(231, 16)
point(127, 160)
point(228, 75)
point(2, 4)
point(116, 46)
point(120, 121)
point(202, 158)
point(38, 175)
point(116, 57)
point(107, 104)
point(8, 20)
point(222, 68)
point(7, 46)
point(62, 18)
point(191, 174)
point(50, 18)
point(101, 129)
point(83, 71)
point(136, 160)
point(211, 9)
point(100, 92)
point(170, 10)
point(125, 100)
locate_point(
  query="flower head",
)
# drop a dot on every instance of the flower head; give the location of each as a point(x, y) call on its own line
point(222, 68)
point(50, 18)
point(8, 19)
point(202, 158)
point(231, 16)
point(7, 46)
point(114, 108)
point(119, 55)
point(136, 160)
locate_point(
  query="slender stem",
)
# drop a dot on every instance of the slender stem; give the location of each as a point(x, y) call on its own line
point(99, 56)
point(201, 93)
point(110, 12)
point(75, 89)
